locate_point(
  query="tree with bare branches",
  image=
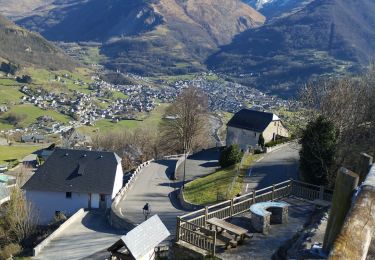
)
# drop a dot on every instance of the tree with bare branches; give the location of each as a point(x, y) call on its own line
point(349, 104)
point(186, 123)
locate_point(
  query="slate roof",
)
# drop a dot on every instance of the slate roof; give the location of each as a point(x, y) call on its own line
point(252, 120)
point(83, 171)
point(143, 238)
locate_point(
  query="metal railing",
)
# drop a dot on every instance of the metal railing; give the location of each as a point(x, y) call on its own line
point(191, 225)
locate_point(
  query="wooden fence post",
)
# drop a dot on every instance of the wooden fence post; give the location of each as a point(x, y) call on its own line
point(364, 166)
point(214, 244)
point(231, 208)
point(178, 229)
point(205, 215)
point(290, 187)
point(273, 192)
point(346, 183)
point(321, 192)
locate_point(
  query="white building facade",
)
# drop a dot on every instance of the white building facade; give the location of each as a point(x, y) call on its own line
point(93, 188)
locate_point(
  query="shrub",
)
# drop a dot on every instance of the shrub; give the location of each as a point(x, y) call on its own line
point(10, 249)
point(24, 79)
point(230, 155)
point(10, 68)
point(261, 140)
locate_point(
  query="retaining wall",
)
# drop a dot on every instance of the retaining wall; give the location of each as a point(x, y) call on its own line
point(79, 214)
point(115, 217)
point(185, 204)
point(275, 148)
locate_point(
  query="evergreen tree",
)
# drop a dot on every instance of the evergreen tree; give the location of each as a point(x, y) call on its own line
point(261, 141)
point(230, 156)
point(317, 155)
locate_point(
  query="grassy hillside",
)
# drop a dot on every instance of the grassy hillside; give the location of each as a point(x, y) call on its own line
point(26, 48)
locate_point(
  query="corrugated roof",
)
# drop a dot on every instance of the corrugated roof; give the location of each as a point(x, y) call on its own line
point(69, 170)
point(252, 120)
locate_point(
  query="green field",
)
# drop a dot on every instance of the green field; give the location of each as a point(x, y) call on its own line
point(31, 113)
point(216, 186)
point(9, 94)
point(17, 152)
point(145, 120)
point(47, 78)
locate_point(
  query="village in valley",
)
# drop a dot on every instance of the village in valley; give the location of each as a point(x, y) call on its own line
point(180, 130)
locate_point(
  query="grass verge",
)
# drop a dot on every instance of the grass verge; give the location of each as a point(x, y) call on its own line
point(16, 152)
point(218, 185)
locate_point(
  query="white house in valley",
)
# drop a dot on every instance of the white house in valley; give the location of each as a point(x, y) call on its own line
point(74, 179)
point(247, 125)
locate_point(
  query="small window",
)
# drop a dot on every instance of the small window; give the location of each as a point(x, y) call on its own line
point(255, 134)
point(68, 195)
point(275, 123)
point(102, 197)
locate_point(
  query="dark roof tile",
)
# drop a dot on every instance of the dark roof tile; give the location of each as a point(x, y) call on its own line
point(83, 171)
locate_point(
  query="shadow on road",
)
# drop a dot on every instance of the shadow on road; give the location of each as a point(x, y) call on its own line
point(171, 166)
point(96, 221)
point(206, 155)
point(269, 174)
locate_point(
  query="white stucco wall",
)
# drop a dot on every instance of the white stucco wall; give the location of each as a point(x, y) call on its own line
point(118, 180)
point(244, 138)
point(46, 203)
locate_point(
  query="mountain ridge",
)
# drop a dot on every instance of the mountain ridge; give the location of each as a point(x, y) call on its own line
point(329, 37)
point(28, 48)
point(148, 37)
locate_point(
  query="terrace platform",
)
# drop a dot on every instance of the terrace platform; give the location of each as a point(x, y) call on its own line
point(262, 246)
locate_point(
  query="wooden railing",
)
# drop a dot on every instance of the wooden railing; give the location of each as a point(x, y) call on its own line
point(191, 225)
point(195, 235)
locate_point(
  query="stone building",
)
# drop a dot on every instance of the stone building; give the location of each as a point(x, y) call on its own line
point(247, 125)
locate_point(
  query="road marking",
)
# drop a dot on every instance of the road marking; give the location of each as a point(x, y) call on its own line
point(260, 159)
point(247, 186)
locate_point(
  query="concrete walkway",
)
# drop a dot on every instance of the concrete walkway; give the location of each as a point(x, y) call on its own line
point(82, 238)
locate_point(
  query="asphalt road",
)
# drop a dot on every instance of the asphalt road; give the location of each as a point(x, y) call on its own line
point(154, 186)
point(200, 164)
point(275, 167)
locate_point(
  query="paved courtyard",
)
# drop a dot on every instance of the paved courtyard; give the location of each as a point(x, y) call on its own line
point(264, 246)
point(82, 238)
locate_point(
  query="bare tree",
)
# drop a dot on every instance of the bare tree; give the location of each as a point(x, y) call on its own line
point(133, 147)
point(185, 127)
point(186, 122)
point(349, 104)
point(21, 218)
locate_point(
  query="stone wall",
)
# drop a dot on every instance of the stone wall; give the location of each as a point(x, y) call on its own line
point(354, 240)
point(185, 204)
point(79, 214)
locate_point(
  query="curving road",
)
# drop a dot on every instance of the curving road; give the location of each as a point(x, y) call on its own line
point(153, 185)
point(274, 167)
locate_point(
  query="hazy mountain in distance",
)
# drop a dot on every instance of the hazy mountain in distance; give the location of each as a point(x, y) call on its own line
point(325, 37)
point(27, 48)
point(276, 8)
point(145, 36)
